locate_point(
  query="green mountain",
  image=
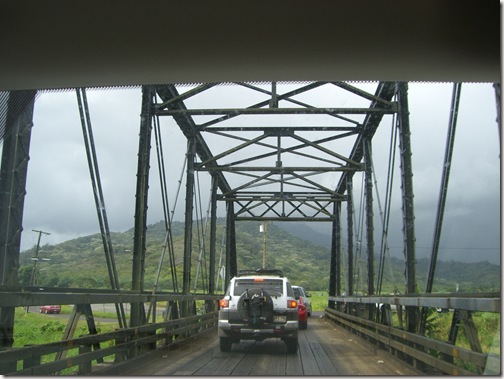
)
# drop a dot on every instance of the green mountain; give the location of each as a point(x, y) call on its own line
point(81, 262)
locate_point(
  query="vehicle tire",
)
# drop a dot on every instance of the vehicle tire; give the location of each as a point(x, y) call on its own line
point(292, 345)
point(255, 306)
point(225, 344)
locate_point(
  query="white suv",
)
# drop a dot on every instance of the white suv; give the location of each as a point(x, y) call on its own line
point(259, 304)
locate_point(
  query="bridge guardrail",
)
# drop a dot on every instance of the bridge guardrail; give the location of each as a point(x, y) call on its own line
point(126, 343)
point(411, 346)
point(481, 302)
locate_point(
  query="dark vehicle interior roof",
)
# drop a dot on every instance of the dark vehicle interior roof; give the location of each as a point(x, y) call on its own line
point(62, 44)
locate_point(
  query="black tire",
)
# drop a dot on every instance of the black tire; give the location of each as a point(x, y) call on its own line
point(292, 345)
point(255, 306)
point(225, 344)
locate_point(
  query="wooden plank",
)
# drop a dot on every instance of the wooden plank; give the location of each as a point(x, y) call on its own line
point(221, 364)
point(261, 365)
point(324, 349)
point(278, 360)
point(324, 363)
point(340, 347)
point(188, 366)
point(308, 361)
point(352, 355)
point(293, 365)
point(188, 358)
point(316, 338)
point(245, 366)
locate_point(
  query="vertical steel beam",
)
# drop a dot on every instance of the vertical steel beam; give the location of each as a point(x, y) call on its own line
point(138, 316)
point(368, 180)
point(337, 243)
point(13, 173)
point(213, 238)
point(335, 265)
point(231, 263)
point(211, 305)
point(369, 214)
point(407, 200)
point(94, 173)
point(188, 223)
point(350, 211)
point(443, 192)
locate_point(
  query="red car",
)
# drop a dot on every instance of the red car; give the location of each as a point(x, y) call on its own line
point(50, 309)
point(303, 314)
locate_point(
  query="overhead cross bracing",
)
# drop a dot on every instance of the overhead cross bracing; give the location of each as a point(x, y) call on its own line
point(277, 151)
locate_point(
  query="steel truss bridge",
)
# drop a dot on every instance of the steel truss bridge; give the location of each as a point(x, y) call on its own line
point(260, 171)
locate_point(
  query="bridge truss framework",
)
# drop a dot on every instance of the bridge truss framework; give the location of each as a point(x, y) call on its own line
point(261, 171)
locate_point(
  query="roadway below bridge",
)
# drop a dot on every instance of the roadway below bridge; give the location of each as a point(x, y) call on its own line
point(324, 349)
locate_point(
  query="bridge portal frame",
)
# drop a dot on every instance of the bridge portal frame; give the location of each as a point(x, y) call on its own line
point(381, 103)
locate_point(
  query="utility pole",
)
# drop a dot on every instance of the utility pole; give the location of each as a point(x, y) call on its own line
point(35, 259)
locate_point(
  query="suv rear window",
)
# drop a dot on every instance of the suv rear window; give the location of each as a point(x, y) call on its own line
point(273, 286)
point(297, 293)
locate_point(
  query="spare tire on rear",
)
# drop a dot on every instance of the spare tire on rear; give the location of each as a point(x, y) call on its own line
point(255, 306)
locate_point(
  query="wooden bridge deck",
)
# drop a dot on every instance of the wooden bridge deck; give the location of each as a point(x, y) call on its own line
point(324, 349)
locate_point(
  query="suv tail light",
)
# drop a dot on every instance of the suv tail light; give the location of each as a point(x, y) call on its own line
point(291, 303)
point(223, 303)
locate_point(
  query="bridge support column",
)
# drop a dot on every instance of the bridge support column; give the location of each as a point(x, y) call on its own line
point(138, 316)
point(213, 228)
point(335, 266)
point(350, 210)
point(231, 263)
point(407, 201)
point(189, 205)
point(369, 222)
point(13, 173)
point(213, 238)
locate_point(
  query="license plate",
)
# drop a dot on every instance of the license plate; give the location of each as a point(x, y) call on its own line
point(279, 318)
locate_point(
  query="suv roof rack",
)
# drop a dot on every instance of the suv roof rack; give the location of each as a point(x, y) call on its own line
point(261, 271)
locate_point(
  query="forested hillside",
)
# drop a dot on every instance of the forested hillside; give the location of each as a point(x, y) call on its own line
point(81, 262)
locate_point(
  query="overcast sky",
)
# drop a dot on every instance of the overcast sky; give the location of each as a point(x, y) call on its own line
point(59, 199)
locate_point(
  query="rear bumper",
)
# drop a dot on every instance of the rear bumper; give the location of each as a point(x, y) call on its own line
point(245, 331)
